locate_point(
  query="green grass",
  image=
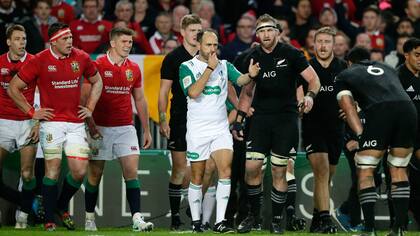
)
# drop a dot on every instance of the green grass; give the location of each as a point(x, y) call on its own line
point(10, 231)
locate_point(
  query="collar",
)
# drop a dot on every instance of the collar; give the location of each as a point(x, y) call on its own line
point(83, 18)
point(58, 57)
point(22, 59)
point(113, 63)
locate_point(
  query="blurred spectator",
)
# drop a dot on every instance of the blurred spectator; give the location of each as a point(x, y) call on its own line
point(9, 14)
point(377, 55)
point(302, 22)
point(412, 10)
point(145, 16)
point(164, 5)
point(177, 14)
point(328, 17)
point(284, 36)
point(370, 26)
point(363, 40)
point(207, 11)
point(90, 32)
point(124, 12)
point(242, 41)
point(319, 5)
point(308, 50)
point(206, 24)
point(37, 26)
point(396, 58)
point(405, 26)
point(169, 45)
point(163, 32)
point(341, 45)
point(63, 11)
point(194, 6)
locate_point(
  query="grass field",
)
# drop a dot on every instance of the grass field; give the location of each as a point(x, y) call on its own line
point(9, 231)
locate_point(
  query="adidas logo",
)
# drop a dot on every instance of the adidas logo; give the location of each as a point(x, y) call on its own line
point(410, 89)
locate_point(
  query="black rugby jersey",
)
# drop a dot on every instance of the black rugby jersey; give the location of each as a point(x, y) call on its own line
point(170, 71)
point(325, 103)
point(411, 85)
point(275, 91)
point(371, 83)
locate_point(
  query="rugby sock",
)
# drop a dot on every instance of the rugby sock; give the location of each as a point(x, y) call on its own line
point(209, 200)
point(222, 198)
point(49, 194)
point(70, 187)
point(291, 197)
point(174, 192)
point(195, 196)
point(39, 174)
point(132, 189)
point(254, 194)
point(10, 194)
point(324, 215)
point(367, 198)
point(278, 201)
point(400, 194)
point(91, 196)
point(28, 195)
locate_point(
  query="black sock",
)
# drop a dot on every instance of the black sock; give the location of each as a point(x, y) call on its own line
point(323, 215)
point(254, 194)
point(400, 193)
point(70, 187)
point(132, 188)
point(291, 197)
point(39, 174)
point(49, 193)
point(28, 195)
point(174, 193)
point(367, 198)
point(91, 196)
point(10, 194)
point(278, 201)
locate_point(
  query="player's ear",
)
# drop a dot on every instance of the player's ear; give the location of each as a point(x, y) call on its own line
point(112, 43)
point(9, 42)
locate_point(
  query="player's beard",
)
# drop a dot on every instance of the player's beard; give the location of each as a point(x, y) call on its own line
point(324, 57)
point(268, 45)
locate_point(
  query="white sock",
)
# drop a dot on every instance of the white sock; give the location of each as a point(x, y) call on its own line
point(222, 198)
point(184, 193)
point(194, 199)
point(209, 201)
point(90, 215)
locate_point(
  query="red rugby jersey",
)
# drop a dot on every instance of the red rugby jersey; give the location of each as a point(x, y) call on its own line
point(114, 107)
point(59, 81)
point(8, 69)
point(89, 36)
point(64, 12)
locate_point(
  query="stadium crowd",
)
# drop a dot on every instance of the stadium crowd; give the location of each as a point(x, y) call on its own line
point(347, 70)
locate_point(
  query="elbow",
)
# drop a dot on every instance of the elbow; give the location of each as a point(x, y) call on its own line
point(193, 94)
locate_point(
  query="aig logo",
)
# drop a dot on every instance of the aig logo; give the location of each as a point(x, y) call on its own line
point(370, 143)
point(327, 88)
point(269, 74)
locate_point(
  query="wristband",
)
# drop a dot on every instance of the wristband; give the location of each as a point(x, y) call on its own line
point(162, 116)
point(242, 114)
point(252, 78)
point(208, 67)
point(31, 112)
point(311, 94)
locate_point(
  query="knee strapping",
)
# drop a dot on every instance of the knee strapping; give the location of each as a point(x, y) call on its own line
point(278, 160)
point(365, 162)
point(399, 161)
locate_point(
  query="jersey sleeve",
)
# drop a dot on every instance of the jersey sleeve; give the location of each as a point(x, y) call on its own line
point(30, 71)
point(229, 106)
point(138, 82)
point(341, 84)
point(90, 69)
point(233, 73)
point(166, 70)
point(299, 60)
point(186, 78)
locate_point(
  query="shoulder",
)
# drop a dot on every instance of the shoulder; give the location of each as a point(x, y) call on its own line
point(29, 56)
point(133, 65)
point(75, 23)
point(80, 53)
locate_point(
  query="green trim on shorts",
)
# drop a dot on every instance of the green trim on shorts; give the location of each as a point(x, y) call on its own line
point(89, 187)
point(72, 181)
point(132, 183)
point(49, 182)
point(29, 185)
point(196, 187)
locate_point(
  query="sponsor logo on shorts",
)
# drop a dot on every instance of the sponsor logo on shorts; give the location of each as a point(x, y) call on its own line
point(327, 88)
point(193, 155)
point(49, 138)
point(309, 148)
point(133, 148)
point(370, 143)
point(248, 144)
point(410, 89)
